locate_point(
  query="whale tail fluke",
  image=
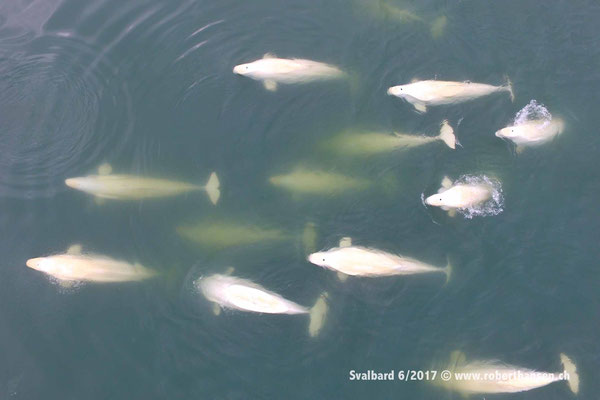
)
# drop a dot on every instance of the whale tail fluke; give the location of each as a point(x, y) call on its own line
point(213, 188)
point(447, 135)
point(509, 87)
point(448, 271)
point(571, 373)
point(317, 315)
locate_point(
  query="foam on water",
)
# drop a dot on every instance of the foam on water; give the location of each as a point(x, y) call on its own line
point(491, 207)
point(69, 288)
point(532, 111)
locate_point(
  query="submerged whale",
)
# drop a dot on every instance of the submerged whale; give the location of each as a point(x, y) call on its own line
point(364, 144)
point(310, 181)
point(493, 376)
point(106, 185)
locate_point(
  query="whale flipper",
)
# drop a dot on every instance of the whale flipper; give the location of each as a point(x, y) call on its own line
point(345, 242)
point(74, 249)
point(342, 277)
point(446, 183)
point(104, 169)
point(317, 314)
point(270, 85)
point(420, 107)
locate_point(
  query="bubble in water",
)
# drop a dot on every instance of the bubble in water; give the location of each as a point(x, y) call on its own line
point(66, 288)
point(533, 111)
point(491, 207)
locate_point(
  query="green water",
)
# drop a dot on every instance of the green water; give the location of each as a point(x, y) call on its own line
point(147, 85)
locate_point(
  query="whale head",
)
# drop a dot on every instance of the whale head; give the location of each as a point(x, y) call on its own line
point(244, 69)
point(319, 258)
point(508, 132)
point(436, 200)
point(84, 183)
point(42, 264)
point(399, 91)
point(75, 183)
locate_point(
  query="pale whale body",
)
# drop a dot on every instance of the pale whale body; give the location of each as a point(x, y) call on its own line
point(369, 262)
point(492, 376)
point(75, 266)
point(220, 234)
point(452, 196)
point(533, 132)
point(241, 294)
point(317, 182)
point(272, 71)
point(363, 144)
point(131, 187)
point(422, 94)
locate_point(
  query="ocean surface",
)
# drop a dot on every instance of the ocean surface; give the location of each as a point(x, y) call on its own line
point(147, 86)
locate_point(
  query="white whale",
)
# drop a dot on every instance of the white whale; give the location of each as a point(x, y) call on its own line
point(75, 266)
point(492, 376)
point(272, 71)
point(241, 294)
point(362, 261)
point(532, 133)
point(106, 185)
point(365, 144)
point(422, 94)
point(452, 196)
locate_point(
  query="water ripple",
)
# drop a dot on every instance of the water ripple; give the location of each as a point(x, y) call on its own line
point(63, 107)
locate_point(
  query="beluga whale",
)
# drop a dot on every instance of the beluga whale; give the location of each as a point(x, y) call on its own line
point(471, 195)
point(348, 260)
point(220, 234)
point(494, 377)
point(106, 185)
point(533, 126)
point(75, 266)
point(229, 292)
point(423, 94)
point(273, 71)
point(370, 143)
point(308, 181)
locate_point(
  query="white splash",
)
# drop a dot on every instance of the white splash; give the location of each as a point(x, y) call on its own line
point(533, 111)
point(491, 207)
point(66, 288)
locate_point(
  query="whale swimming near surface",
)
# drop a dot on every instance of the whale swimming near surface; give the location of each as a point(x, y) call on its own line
point(365, 144)
point(452, 196)
point(309, 181)
point(493, 376)
point(422, 94)
point(532, 133)
point(349, 260)
point(74, 266)
point(106, 185)
point(273, 71)
point(220, 234)
point(230, 292)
